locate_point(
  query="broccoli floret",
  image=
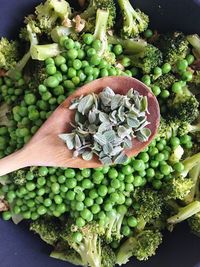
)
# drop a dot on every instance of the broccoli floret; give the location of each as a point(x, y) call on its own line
point(167, 129)
point(149, 206)
point(108, 256)
point(147, 60)
point(113, 224)
point(166, 81)
point(142, 246)
point(176, 154)
point(184, 106)
point(186, 128)
point(47, 229)
point(90, 246)
point(89, 14)
point(173, 46)
point(8, 53)
point(63, 252)
point(130, 46)
point(189, 163)
point(19, 177)
point(185, 212)
point(4, 112)
point(194, 224)
point(134, 20)
point(47, 16)
point(194, 40)
point(177, 188)
point(194, 175)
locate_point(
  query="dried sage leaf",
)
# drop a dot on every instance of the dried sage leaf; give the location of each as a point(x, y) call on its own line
point(68, 139)
point(87, 155)
point(121, 158)
point(85, 104)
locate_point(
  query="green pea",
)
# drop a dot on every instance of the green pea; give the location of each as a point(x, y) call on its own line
point(187, 76)
point(86, 214)
point(117, 49)
point(93, 193)
point(88, 202)
point(30, 186)
point(43, 171)
point(72, 53)
point(70, 195)
point(146, 79)
point(41, 210)
point(156, 90)
point(55, 187)
point(71, 183)
point(190, 59)
point(102, 190)
point(179, 167)
point(30, 99)
point(185, 139)
point(52, 82)
point(77, 64)
point(95, 59)
point(126, 231)
point(166, 68)
point(104, 72)
point(88, 38)
point(95, 209)
point(80, 222)
point(137, 181)
point(71, 73)
point(47, 202)
point(164, 94)
point(69, 43)
point(175, 141)
point(70, 173)
point(165, 169)
point(182, 65)
point(177, 87)
point(148, 33)
point(157, 184)
point(96, 44)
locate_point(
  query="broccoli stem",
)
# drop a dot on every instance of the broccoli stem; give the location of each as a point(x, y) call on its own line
point(194, 175)
point(100, 29)
point(88, 13)
point(126, 251)
point(185, 212)
point(60, 31)
point(66, 256)
point(42, 52)
point(129, 14)
point(190, 163)
point(194, 128)
point(130, 46)
point(194, 40)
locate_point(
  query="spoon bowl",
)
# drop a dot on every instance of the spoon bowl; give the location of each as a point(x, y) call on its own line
point(47, 149)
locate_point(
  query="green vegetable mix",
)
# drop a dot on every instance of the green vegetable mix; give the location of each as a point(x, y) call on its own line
point(102, 217)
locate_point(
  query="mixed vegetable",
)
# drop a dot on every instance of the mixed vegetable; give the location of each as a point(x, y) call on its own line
point(101, 217)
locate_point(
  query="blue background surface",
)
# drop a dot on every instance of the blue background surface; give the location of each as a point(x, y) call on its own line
point(20, 247)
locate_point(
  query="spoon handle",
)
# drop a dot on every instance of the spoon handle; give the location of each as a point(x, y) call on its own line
point(14, 162)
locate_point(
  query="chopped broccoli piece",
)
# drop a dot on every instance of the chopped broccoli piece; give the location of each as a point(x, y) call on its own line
point(184, 106)
point(173, 46)
point(130, 46)
point(42, 52)
point(63, 252)
point(90, 247)
point(4, 111)
point(89, 14)
point(47, 229)
point(176, 154)
point(114, 223)
point(19, 177)
point(166, 81)
point(185, 212)
point(150, 206)
point(194, 174)
point(186, 128)
point(8, 54)
point(48, 15)
point(194, 40)
point(142, 246)
point(189, 163)
point(147, 60)
point(108, 256)
point(134, 20)
point(194, 224)
point(177, 188)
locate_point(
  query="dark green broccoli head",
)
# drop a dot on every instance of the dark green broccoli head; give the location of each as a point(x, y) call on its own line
point(166, 81)
point(173, 46)
point(184, 106)
point(150, 203)
point(47, 228)
point(147, 60)
point(90, 13)
point(194, 223)
point(108, 256)
point(8, 53)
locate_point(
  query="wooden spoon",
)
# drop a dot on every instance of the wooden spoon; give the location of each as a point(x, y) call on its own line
point(47, 149)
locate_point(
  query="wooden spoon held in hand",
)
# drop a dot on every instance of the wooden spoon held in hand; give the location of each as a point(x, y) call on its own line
point(47, 149)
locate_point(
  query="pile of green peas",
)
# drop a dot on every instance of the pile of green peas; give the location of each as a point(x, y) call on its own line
point(85, 194)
